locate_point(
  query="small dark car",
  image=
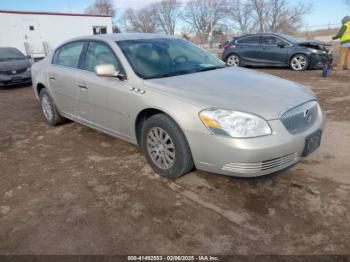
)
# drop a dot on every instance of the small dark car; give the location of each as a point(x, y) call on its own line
point(14, 67)
point(276, 50)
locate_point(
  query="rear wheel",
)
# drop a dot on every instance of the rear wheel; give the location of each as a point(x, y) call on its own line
point(49, 109)
point(233, 60)
point(299, 62)
point(165, 147)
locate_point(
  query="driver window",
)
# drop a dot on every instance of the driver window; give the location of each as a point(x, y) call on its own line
point(271, 40)
point(99, 54)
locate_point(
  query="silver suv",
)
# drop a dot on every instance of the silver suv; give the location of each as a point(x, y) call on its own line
point(180, 104)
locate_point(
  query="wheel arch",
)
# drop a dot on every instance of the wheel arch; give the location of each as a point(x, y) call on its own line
point(146, 113)
point(39, 87)
point(299, 53)
point(231, 53)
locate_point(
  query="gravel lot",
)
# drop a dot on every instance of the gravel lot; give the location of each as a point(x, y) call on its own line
point(73, 190)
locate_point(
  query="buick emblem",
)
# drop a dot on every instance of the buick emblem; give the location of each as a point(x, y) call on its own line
point(307, 116)
point(14, 71)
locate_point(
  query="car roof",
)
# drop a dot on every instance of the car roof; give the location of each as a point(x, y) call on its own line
point(122, 36)
point(261, 34)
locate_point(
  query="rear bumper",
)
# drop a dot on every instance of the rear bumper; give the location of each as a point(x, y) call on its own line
point(251, 157)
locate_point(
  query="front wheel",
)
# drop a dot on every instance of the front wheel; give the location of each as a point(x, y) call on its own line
point(299, 62)
point(165, 147)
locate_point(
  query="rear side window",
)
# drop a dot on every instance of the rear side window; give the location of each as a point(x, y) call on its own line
point(99, 54)
point(69, 54)
point(249, 40)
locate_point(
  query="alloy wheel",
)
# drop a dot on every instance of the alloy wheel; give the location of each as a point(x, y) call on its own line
point(233, 60)
point(160, 148)
point(47, 107)
point(299, 63)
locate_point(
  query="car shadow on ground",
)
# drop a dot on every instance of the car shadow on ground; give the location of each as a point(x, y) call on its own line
point(17, 86)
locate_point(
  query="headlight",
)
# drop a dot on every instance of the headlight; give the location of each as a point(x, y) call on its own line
point(317, 51)
point(234, 123)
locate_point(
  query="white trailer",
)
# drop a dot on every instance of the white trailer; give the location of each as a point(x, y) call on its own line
point(37, 33)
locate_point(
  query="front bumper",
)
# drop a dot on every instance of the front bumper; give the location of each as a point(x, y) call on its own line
point(18, 79)
point(250, 157)
point(317, 61)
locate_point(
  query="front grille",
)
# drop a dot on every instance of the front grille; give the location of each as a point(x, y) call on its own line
point(301, 117)
point(13, 72)
point(252, 168)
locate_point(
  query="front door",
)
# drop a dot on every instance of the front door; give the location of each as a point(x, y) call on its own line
point(274, 51)
point(105, 101)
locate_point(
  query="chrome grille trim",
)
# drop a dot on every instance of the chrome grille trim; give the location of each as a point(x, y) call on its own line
point(9, 72)
point(301, 117)
point(251, 168)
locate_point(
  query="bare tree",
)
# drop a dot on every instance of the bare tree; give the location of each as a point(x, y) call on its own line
point(283, 17)
point(142, 20)
point(205, 15)
point(278, 15)
point(101, 7)
point(241, 14)
point(167, 13)
point(260, 13)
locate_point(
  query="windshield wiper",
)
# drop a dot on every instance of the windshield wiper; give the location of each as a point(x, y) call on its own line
point(209, 68)
point(183, 72)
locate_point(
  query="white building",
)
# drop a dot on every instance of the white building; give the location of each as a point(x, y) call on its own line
point(37, 33)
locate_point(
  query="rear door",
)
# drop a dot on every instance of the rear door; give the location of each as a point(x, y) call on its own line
point(249, 48)
point(63, 74)
point(274, 51)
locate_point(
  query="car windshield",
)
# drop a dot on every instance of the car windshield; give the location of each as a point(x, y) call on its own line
point(10, 53)
point(166, 57)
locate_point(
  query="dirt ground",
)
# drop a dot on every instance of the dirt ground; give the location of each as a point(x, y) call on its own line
point(73, 190)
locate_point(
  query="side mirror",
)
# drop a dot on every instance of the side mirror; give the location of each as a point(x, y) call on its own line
point(107, 70)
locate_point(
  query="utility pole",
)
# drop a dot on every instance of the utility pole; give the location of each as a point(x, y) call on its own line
point(210, 37)
point(69, 5)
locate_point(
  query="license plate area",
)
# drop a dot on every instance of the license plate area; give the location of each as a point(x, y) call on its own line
point(16, 78)
point(312, 142)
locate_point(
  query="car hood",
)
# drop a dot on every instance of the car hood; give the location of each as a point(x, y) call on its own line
point(235, 88)
point(14, 64)
point(314, 43)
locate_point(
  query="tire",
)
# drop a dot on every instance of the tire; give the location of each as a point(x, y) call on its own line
point(299, 62)
point(233, 60)
point(49, 109)
point(162, 139)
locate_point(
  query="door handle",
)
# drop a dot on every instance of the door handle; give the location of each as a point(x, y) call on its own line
point(83, 86)
point(52, 77)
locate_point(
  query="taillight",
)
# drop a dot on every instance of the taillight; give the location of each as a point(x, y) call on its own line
point(229, 46)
